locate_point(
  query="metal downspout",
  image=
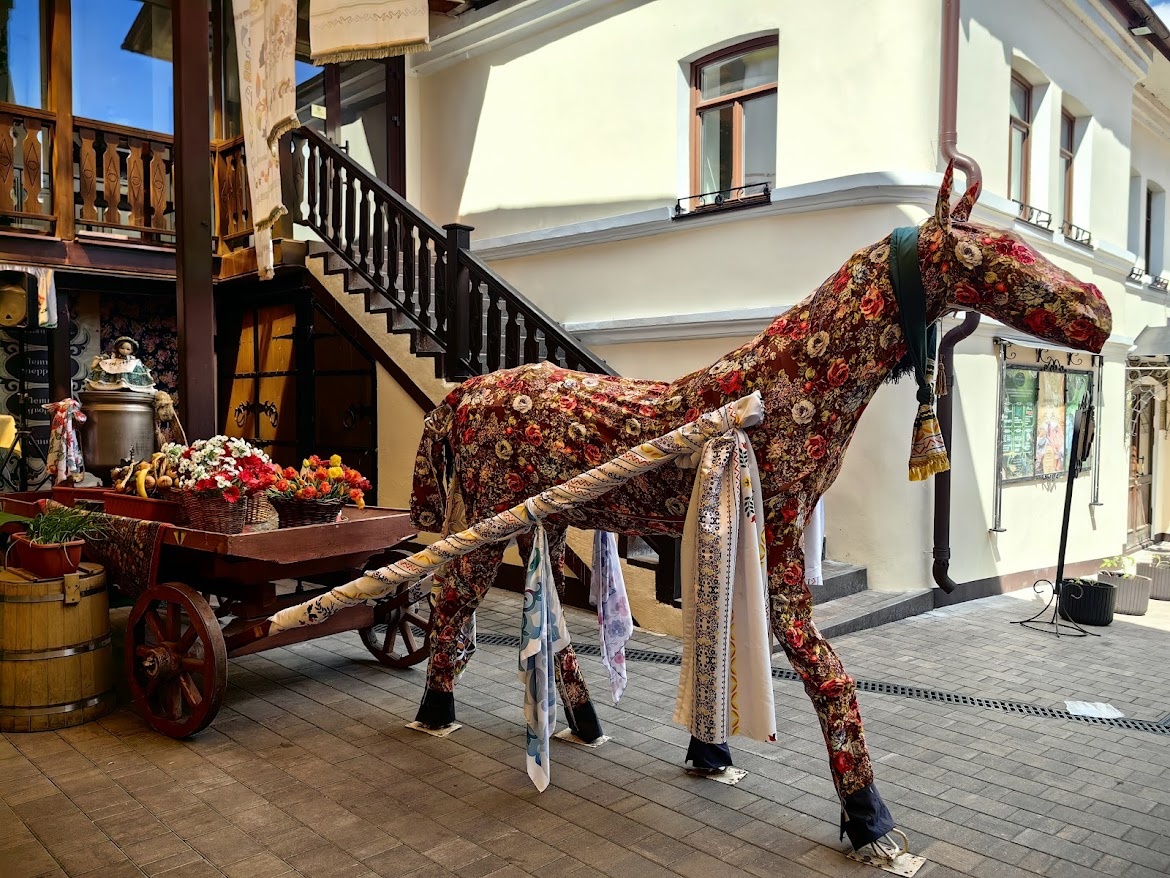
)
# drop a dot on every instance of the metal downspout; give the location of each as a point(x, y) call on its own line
point(948, 144)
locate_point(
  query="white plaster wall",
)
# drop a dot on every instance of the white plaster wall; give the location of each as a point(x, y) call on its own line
point(590, 119)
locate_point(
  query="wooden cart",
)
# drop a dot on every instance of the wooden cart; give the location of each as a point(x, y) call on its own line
point(214, 591)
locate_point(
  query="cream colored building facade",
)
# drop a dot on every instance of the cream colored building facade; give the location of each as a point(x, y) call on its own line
point(562, 131)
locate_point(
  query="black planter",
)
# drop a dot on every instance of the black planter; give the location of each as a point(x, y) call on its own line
point(1087, 602)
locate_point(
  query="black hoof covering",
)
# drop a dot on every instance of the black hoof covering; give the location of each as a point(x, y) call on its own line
point(437, 709)
point(583, 722)
point(865, 817)
point(708, 756)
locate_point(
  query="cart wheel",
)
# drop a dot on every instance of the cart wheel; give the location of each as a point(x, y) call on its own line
point(402, 627)
point(176, 660)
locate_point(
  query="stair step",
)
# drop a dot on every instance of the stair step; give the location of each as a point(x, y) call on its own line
point(869, 609)
point(839, 580)
point(424, 344)
point(356, 283)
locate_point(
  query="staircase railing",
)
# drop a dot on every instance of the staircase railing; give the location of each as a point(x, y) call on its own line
point(480, 321)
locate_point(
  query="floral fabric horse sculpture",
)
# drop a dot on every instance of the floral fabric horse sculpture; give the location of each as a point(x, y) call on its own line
point(510, 434)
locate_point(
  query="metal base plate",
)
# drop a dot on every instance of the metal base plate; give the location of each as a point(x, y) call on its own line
point(729, 776)
point(435, 733)
point(906, 865)
point(566, 735)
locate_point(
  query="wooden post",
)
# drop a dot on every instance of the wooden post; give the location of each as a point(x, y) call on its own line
point(333, 104)
point(60, 367)
point(396, 124)
point(192, 185)
point(59, 68)
point(458, 294)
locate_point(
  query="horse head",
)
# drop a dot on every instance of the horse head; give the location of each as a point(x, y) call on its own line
point(992, 271)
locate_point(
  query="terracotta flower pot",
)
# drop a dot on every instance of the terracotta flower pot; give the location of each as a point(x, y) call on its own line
point(50, 560)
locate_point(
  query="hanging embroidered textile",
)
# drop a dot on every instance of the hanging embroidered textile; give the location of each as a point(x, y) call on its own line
point(725, 685)
point(359, 30)
point(266, 33)
point(543, 634)
point(64, 459)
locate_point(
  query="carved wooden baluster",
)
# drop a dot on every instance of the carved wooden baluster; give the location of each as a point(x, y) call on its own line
point(531, 343)
point(440, 288)
point(393, 252)
point(493, 330)
point(32, 166)
point(323, 195)
point(363, 254)
point(87, 174)
point(229, 196)
point(298, 166)
point(378, 238)
point(511, 339)
point(336, 182)
point(425, 291)
point(555, 354)
point(243, 193)
point(475, 322)
point(312, 189)
point(351, 205)
point(135, 193)
point(112, 180)
point(409, 275)
point(159, 186)
point(7, 162)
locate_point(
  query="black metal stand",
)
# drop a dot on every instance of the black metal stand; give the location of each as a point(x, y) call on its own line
point(1082, 441)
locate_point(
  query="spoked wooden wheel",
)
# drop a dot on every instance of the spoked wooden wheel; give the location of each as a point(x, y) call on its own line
point(176, 660)
point(402, 626)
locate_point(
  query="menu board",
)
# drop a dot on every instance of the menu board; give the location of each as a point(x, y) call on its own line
point(1039, 409)
point(1019, 423)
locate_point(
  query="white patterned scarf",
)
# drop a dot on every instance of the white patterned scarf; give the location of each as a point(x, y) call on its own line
point(615, 623)
point(725, 685)
point(266, 32)
point(543, 633)
point(361, 30)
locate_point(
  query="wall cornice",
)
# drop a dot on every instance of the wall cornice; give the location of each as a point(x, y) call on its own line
point(1150, 112)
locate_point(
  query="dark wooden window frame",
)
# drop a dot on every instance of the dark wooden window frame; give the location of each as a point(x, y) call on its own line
point(1015, 123)
point(735, 100)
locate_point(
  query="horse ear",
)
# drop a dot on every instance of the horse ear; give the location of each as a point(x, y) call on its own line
point(942, 208)
point(962, 211)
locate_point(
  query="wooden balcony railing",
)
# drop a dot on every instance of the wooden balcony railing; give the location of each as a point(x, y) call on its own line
point(232, 203)
point(124, 181)
point(26, 170)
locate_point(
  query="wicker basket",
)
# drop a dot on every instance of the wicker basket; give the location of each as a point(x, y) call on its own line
point(212, 513)
point(298, 513)
point(259, 509)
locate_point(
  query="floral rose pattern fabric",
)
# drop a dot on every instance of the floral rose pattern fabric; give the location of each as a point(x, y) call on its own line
point(515, 432)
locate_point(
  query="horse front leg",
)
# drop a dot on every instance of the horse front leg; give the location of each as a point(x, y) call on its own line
point(462, 586)
point(574, 691)
point(864, 816)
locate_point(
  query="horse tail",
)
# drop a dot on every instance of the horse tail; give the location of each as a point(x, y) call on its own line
point(428, 495)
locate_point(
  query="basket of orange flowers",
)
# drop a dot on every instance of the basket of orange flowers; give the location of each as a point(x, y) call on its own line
point(316, 494)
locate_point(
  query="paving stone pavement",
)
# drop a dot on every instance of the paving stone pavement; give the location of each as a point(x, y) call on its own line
point(308, 770)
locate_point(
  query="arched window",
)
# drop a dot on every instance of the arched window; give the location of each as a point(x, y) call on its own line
point(733, 141)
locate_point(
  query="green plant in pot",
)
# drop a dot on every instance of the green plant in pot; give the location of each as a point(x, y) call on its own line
point(1133, 588)
point(51, 543)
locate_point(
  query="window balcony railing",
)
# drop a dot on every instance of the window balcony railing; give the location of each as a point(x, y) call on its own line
point(723, 199)
point(1159, 283)
point(1136, 274)
point(1076, 234)
point(1034, 216)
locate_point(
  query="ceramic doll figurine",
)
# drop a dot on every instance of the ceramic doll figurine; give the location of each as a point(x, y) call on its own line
point(120, 370)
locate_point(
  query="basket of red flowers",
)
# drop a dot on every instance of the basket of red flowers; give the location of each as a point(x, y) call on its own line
point(217, 478)
point(316, 494)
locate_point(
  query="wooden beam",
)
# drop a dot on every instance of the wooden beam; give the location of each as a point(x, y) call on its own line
point(192, 183)
point(60, 368)
point(396, 124)
point(333, 103)
point(60, 93)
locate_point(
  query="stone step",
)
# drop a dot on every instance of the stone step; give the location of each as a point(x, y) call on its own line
point(869, 609)
point(839, 580)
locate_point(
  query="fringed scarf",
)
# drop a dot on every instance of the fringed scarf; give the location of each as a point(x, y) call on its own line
point(928, 452)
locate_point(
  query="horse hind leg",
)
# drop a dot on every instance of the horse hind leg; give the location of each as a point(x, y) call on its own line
point(463, 585)
point(579, 710)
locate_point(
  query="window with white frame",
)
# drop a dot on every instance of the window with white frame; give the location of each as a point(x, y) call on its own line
point(1019, 138)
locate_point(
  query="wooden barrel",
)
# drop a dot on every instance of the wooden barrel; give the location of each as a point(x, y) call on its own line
point(56, 662)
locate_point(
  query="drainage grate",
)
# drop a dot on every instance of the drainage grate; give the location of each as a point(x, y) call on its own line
point(1161, 727)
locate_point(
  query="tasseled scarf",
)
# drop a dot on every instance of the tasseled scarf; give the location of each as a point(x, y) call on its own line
point(928, 452)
